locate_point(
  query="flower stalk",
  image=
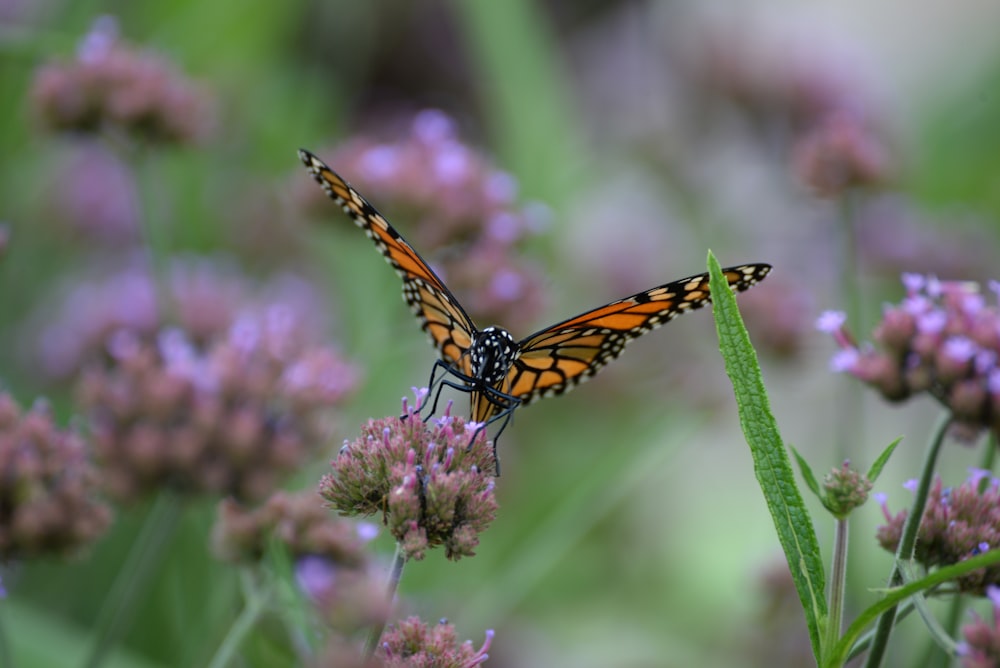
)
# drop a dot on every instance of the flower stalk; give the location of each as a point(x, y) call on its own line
point(838, 582)
point(395, 575)
point(135, 577)
point(908, 540)
point(255, 601)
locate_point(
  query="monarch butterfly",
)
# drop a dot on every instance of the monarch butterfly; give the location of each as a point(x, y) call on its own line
point(499, 372)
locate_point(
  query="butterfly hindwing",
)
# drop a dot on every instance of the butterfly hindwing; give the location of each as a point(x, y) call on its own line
point(498, 373)
point(451, 330)
point(559, 357)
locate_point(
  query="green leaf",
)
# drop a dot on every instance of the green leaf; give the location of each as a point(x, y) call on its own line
point(771, 463)
point(807, 474)
point(876, 470)
point(896, 595)
point(937, 632)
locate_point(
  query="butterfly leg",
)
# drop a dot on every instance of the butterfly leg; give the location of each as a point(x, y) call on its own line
point(436, 385)
point(506, 415)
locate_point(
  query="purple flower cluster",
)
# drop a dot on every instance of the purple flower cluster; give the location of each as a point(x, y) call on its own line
point(981, 648)
point(48, 497)
point(433, 481)
point(232, 416)
point(331, 564)
point(778, 79)
point(114, 87)
point(460, 212)
point(958, 523)
point(94, 195)
point(797, 83)
point(411, 642)
point(347, 599)
point(943, 339)
point(203, 296)
point(299, 521)
point(839, 153)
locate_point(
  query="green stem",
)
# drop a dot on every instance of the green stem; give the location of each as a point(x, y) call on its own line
point(398, 561)
point(6, 655)
point(255, 602)
point(156, 241)
point(851, 426)
point(935, 654)
point(134, 579)
point(838, 583)
point(989, 459)
point(153, 231)
point(908, 541)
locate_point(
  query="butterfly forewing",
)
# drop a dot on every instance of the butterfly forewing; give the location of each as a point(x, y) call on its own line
point(557, 358)
point(546, 363)
point(451, 330)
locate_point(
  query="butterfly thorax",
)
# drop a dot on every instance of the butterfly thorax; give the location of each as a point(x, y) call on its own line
point(492, 353)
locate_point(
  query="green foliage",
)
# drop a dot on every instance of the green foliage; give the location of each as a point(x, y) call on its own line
point(876, 470)
point(771, 464)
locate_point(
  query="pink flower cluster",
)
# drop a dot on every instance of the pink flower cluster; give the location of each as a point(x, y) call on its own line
point(433, 481)
point(942, 339)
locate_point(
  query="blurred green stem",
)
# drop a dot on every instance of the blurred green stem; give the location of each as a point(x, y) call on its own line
point(540, 142)
point(153, 231)
point(851, 424)
point(935, 654)
point(908, 540)
point(838, 582)
point(398, 561)
point(134, 579)
point(989, 460)
point(255, 600)
point(6, 657)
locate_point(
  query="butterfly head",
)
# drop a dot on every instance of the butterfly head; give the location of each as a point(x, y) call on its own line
point(492, 353)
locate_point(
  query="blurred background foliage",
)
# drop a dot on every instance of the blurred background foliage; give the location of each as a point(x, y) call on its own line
point(639, 134)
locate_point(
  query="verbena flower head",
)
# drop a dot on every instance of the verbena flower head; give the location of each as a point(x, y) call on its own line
point(300, 521)
point(958, 523)
point(94, 197)
point(204, 296)
point(981, 647)
point(459, 211)
point(840, 153)
point(230, 416)
point(114, 87)
point(411, 642)
point(943, 339)
point(846, 489)
point(49, 491)
point(432, 481)
point(332, 567)
point(764, 79)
